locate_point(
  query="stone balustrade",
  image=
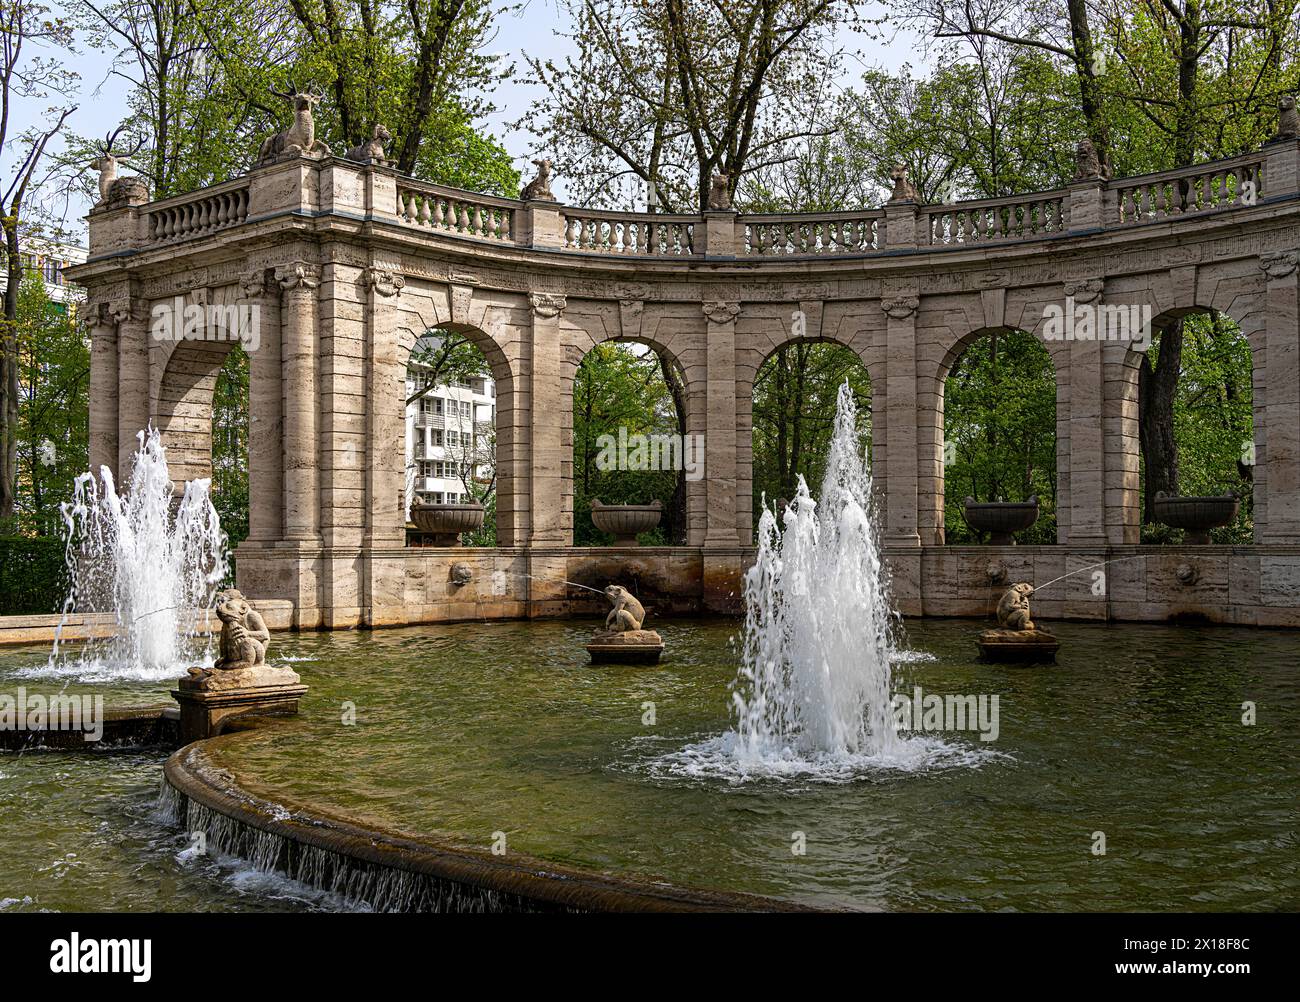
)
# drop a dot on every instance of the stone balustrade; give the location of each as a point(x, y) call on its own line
point(652, 234)
point(767, 235)
point(1222, 184)
point(454, 211)
point(1025, 217)
point(198, 214)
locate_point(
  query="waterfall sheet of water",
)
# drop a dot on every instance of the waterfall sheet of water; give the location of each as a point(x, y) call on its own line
point(813, 695)
point(154, 562)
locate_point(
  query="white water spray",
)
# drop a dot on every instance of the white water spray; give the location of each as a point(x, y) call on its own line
point(154, 564)
point(815, 678)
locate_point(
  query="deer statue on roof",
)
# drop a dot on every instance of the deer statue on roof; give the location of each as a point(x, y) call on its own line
point(300, 137)
point(107, 161)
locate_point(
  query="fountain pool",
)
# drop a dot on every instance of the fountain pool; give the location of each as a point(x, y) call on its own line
point(466, 730)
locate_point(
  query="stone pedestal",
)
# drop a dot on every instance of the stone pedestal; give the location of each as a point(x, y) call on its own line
point(634, 647)
point(209, 700)
point(1023, 646)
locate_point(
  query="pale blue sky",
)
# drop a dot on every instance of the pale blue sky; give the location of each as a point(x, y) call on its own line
point(535, 29)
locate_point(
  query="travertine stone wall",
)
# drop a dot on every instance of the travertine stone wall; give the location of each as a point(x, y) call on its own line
point(344, 281)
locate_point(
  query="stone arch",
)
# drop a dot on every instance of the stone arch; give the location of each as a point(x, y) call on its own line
point(1122, 447)
point(756, 343)
point(585, 331)
point(931, 434)
point(511, 419)
point(184, 406)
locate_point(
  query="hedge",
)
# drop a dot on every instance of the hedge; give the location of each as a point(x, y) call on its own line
point(33, 575)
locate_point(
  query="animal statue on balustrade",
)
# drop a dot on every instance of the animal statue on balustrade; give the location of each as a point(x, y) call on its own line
point(107, 161)
point(1288, 119)
point(720, 193)
point(372, 150)
point(300, 137)
point(540, 186)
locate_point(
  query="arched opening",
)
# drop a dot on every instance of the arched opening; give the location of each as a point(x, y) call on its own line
point(203, 419)
point(1000, 433)
point(629, 440)
point(795, 393)
point(451, 431)
point(1196, 428)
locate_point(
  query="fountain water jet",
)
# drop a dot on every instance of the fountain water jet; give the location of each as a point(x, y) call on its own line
point(815, 678)
point(155, 564)
point(814, 695)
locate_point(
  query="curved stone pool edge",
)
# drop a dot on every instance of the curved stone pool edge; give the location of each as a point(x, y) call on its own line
point(392, 872)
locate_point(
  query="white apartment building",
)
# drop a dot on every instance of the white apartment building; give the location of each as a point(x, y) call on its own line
point(448, 439)
point(49, 259)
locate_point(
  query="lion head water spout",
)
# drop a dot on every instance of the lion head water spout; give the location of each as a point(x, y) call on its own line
point(153, 563)
point(815, 680)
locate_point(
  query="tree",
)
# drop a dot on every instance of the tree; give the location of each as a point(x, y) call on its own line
point(1000, 431)
point(619, 387)
point(24, 75)
point(668, 94)
point(54, 387)
point(795, 393)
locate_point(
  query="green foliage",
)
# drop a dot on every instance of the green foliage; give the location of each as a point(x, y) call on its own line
point(1213, 423)
point(1000, 432)
point(230, 445)
point(618, 387)
point(795, 395)
point(53, 407)
point(33, 575)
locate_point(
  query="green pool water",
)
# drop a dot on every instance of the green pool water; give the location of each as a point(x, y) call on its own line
point(462, 732)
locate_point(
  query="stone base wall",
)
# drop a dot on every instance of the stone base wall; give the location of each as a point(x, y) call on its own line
point(1248, 585)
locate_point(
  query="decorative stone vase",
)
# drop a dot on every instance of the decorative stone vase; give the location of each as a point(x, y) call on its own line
point(625, 521)
point(1001, 518)
point(1196, 516)
point(445, 522)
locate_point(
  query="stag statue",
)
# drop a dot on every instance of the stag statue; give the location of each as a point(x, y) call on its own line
point(300, 137)
point(107, 161)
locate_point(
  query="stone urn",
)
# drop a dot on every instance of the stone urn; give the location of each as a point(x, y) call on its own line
point(1196, 516)
point(625, 521)
point(1001, 518)
point(445, 522)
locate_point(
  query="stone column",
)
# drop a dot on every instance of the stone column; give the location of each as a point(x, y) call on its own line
point(720, 425)
point(546, 438)
point(299, 282)
point(722, 556)
point(103, 389)
point(902, 501)
point(1281, 440)
point(132, 319)
point(1087, 494)
point(385, 411)
point(384, 583)
point(260, 297)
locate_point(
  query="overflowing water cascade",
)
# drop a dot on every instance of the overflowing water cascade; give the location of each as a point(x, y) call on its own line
point(815, 679)
point(152, 562)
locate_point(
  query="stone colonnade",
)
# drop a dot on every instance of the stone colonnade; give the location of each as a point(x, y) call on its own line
point(337, 267)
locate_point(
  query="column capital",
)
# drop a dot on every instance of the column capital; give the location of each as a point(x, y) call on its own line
point(719, 311)
point(1278, 265)
point(900, 307)
point(547, 304)
point(125, 311)
point(383, 279)
point(252, 284)
point(1084, 290)
point(297, 274)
